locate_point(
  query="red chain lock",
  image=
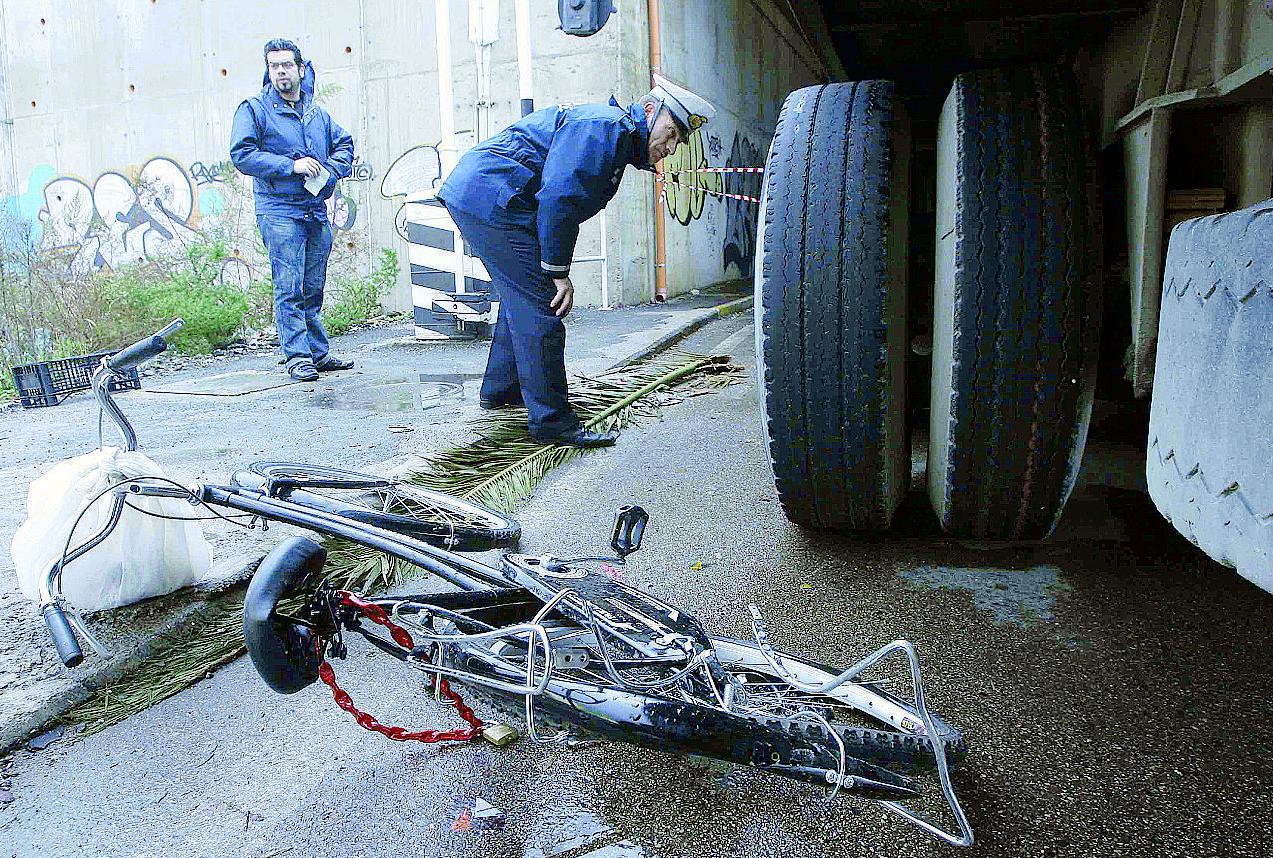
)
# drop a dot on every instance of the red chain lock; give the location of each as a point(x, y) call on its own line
point(402, 638)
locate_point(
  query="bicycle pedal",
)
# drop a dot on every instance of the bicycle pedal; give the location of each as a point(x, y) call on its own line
point(500, 735)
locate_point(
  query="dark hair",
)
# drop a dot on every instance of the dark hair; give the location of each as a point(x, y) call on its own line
point(282, 45)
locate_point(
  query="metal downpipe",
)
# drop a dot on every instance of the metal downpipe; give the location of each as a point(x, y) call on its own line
point(660, 225)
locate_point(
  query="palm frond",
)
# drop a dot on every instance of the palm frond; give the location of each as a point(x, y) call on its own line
point(500, 469)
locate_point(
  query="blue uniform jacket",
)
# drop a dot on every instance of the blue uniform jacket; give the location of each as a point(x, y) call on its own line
point(552, 170)
point(269, 134)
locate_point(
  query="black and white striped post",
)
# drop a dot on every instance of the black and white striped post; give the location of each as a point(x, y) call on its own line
point(450, 288)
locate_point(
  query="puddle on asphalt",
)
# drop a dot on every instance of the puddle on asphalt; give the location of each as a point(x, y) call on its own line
point(1013, 596)
point(580, 834)
point(622, 849)
point(439, 395)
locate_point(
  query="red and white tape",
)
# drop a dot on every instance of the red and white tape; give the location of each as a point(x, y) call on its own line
point(668, 183)
point(721, 170)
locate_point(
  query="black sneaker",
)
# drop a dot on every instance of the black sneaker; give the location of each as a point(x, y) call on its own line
point(302, 370)
point(580, 438)
point(331, 363)
point(497, 404)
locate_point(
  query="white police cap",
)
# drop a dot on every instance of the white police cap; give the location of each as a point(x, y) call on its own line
point(689, 110)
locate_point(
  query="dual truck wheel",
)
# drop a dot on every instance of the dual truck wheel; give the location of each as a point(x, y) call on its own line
point(1016, 305)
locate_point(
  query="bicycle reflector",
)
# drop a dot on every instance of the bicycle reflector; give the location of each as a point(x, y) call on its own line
point(629, 526)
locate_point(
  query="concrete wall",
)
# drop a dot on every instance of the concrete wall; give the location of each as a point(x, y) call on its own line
point(744, 57)
point(111, 100)
point(115, 119)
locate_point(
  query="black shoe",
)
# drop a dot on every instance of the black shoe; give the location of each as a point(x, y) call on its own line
point(302, 370)
point(497, 404)
point(581, 438)
point(331, 363)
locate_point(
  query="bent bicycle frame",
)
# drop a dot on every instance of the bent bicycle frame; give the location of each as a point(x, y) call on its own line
point(801, 748)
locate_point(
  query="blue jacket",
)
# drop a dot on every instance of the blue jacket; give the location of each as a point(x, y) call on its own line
point(269, 134)
point(552, 170)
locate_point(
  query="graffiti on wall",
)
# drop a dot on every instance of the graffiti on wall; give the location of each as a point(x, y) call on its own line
point(342, 211)
point(686, 189)
point(129, 216)
point(362, 171)
point(119, 220)
point(741, 216)
point(210, 174)
point(414, 174)
point(689, 190)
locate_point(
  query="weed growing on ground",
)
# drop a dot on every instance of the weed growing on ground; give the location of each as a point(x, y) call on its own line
point(48, 311)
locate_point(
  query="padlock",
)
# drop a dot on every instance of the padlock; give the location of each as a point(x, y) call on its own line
point(500, 735)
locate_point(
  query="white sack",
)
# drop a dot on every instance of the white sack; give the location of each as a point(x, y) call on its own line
point(143, 557)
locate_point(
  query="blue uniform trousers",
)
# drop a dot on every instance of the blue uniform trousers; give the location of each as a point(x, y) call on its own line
point(298, 249)
point(528, 350)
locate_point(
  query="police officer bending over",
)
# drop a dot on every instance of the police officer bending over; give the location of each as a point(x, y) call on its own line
point(518, 199)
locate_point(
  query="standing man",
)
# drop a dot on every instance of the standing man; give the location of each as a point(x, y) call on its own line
point(518, 199)
point(296, 154)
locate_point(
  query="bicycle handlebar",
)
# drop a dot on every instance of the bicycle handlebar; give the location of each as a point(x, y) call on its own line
point(68, 646)
point(145, 349)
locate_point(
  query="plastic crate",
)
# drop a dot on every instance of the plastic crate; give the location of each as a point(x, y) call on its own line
point(51, 381)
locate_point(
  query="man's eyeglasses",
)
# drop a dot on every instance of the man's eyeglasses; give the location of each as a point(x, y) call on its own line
point(289, 65)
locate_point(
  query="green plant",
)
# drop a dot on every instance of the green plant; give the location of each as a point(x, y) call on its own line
point(260, 296)
point(358, 298)
point(148, 296)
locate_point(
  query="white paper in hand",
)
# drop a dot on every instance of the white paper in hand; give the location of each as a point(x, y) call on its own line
point(315, 184)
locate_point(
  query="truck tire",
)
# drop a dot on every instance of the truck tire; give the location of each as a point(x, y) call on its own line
point(831, 305)
point(1017, 304)
point(1209, 465)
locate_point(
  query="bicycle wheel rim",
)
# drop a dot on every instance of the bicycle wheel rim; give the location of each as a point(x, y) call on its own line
point(434, 517)
point(300, 474)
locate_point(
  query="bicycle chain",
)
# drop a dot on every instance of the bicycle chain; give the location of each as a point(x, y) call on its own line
point(402, 638)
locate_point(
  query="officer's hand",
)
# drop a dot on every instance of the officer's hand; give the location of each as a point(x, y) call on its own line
point(306, 167)
point(565, 298)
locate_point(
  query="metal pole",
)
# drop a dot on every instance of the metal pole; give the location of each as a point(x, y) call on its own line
point(660, 226)
point(605, 266)
point(523, 56)
point(447, 152)
point(446, 88)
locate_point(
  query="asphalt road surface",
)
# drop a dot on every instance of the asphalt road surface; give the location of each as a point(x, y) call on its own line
point(1112, 683)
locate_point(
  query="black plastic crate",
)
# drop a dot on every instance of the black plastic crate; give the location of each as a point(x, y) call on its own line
point(51, 381)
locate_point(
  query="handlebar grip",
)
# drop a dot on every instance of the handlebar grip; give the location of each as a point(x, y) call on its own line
point(143, 350)
point(138, 352)
point(68, 646)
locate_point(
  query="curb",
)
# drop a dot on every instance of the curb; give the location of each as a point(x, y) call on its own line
point(240, 566)
point(230, 572)
point(693, 324)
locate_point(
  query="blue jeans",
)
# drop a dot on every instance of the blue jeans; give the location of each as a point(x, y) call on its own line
point(298, 249)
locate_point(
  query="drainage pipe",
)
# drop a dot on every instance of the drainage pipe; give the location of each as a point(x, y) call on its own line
point(660, 225)
point(523, 56)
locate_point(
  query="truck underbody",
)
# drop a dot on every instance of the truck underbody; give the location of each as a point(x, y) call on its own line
point(1017, 253)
